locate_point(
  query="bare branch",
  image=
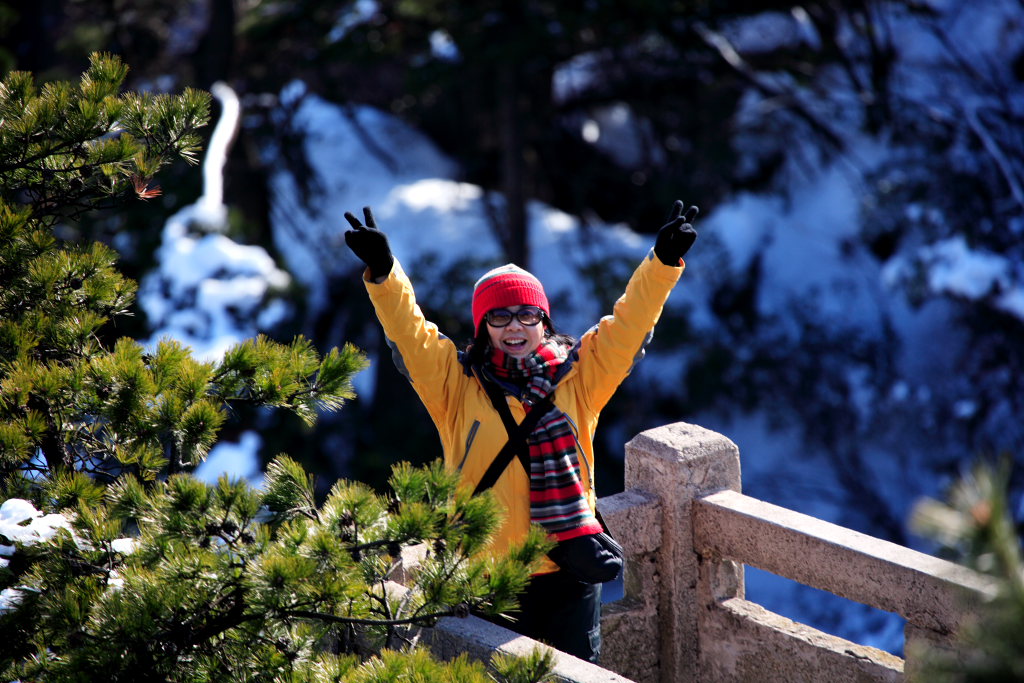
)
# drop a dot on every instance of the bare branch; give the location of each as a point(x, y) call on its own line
point(732, 57)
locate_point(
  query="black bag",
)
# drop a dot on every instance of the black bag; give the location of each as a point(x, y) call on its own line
point(594, 558)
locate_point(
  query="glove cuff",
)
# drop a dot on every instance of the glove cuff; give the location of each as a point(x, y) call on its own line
point(380, 269)
point(672, 261)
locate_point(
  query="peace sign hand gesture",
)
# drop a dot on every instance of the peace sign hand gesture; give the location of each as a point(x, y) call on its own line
point(369, 244)
point(677, 236)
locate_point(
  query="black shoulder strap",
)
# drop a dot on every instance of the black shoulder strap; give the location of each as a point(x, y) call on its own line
point(517, 433)
point(497, 396)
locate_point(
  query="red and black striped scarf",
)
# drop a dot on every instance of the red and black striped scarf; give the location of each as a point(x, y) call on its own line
point(557, 499)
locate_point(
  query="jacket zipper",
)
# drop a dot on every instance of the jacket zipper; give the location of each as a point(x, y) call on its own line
point(469, 442)
point(580, 451)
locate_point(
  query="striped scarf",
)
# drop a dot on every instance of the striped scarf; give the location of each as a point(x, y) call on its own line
point(557, 499)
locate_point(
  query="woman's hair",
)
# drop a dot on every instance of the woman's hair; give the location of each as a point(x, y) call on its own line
point(478, 348)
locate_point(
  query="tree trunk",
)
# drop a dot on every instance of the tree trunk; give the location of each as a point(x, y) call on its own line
point(515, 236)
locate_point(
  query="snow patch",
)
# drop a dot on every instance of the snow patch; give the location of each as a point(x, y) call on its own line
point(208, 291)
point(951, 267)
point(22, 523)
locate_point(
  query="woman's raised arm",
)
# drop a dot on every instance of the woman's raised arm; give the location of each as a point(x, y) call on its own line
point(611, 348)
point(422, 354)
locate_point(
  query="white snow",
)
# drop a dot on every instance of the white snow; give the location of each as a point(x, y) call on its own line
point(125, 546)
point(211, 203)
point(953, 268)
point(208, 291)
point(575, 76)
point(770, 31)
point(361, 12)
point(10, 598)
point(443, 47)
point(21, 522)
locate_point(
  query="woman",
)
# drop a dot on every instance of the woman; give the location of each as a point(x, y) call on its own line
point(516, 349)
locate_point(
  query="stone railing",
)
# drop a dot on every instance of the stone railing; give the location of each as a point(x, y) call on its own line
point(687, 528)
point(687, 531)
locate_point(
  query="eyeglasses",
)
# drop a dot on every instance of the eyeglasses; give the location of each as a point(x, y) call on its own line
point(501, 317)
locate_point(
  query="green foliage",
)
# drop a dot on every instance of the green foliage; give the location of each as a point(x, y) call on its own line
point(78, 407)
point(294, 377)
point(226, 582)
point(523, 669)
point(141, 571)
point(66, 149)
point(392, 668)
point(976, 526)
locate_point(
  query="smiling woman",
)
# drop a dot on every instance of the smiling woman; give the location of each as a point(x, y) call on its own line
point(510, 332)
point(513, 303)
point(517, 364)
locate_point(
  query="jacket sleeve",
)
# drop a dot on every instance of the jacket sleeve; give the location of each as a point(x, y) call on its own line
point(610, 349)
point(427, 358)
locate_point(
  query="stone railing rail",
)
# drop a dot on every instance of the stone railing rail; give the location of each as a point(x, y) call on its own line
point(687, 531)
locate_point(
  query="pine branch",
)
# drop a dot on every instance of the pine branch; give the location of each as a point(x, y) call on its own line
point(462, 610)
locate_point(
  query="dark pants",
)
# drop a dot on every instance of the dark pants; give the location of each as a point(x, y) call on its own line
point(562, 612)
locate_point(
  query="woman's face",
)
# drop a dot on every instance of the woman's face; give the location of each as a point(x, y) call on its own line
point(516, 339)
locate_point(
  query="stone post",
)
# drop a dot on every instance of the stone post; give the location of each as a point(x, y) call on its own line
point(677, 463)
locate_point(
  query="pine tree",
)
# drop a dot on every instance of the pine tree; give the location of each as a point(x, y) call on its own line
point(116, 562)
point(976, 526)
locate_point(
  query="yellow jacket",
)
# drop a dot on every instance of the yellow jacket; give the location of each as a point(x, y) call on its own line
point(471, 430)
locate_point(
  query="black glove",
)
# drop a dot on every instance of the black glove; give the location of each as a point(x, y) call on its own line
point(676, 237)
point(369, 244)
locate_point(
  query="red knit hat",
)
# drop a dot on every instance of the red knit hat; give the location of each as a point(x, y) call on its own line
point(508, 285)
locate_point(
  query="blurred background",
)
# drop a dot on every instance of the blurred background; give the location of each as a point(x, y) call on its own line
point(852, 314)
